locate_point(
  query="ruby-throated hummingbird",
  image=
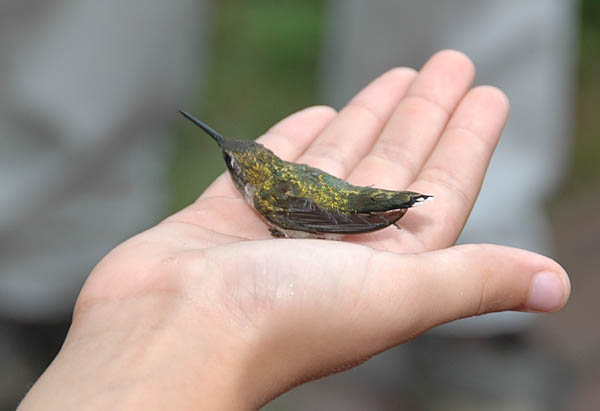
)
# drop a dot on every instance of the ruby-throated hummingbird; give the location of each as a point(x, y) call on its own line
point(300, 201)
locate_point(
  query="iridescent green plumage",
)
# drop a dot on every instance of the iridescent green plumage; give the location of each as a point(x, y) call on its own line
point(297, 200)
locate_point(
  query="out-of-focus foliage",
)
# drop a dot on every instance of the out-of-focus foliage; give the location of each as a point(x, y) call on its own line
point(586, 161)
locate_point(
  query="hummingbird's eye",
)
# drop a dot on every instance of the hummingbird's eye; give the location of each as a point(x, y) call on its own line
point(229, 162)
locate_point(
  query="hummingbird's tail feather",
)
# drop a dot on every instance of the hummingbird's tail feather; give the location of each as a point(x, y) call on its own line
point(216, 136)
point(419, 199)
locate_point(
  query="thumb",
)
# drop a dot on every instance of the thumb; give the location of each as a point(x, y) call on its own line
point(462, 281)
point(404, 295)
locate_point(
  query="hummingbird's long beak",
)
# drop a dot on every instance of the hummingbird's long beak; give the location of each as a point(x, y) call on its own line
point(216, 136)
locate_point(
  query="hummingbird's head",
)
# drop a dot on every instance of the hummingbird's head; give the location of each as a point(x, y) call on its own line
point(246, 160)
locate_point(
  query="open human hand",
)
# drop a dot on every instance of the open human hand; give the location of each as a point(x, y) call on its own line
point(205, 310)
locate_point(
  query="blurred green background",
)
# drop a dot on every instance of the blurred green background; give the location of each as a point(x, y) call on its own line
point(264, 66)
point(585, 170)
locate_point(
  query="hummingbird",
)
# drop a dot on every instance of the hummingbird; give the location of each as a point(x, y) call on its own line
point(300, 201)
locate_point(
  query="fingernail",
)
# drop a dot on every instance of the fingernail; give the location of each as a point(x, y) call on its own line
point(547, 292)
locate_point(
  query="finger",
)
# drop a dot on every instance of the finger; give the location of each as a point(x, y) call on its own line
point(350, 135)
point(412, 293)
point(288, 139)
point(455, 171)
point(367, 301)
point(415, 126)
point(440, 286)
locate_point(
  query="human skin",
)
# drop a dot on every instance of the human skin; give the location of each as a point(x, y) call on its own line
point(207, 311)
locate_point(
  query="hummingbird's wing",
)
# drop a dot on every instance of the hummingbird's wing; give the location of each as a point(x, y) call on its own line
point(303, 214)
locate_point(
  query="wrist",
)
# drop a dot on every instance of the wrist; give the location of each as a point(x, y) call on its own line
point(160, 359)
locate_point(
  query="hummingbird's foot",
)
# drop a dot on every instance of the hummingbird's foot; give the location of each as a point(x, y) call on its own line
point(397, 226)
point(276, 233)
